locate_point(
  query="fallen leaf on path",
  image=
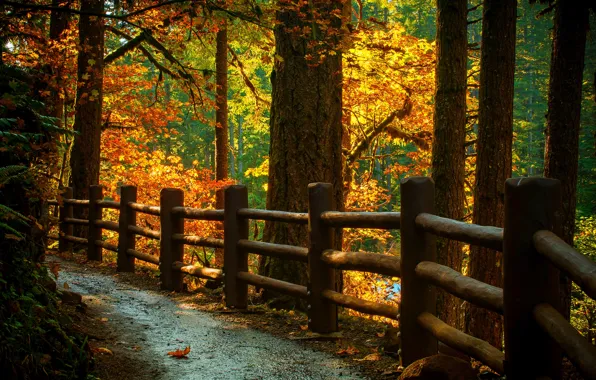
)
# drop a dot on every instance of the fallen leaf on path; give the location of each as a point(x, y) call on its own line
point(303, 327)
point(180, 353)
point(54, 268)
point(104, 319)
point(102, 350)
point(347, 351)
point(381, 334)
point(66, 286)
point(371, 357)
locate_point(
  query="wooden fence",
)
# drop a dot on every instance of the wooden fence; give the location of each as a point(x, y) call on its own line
point(535, 332)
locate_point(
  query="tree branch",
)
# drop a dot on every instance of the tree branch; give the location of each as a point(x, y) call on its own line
point(237, 63)
point(373, 132)
point(145, 52)
point(128, 46)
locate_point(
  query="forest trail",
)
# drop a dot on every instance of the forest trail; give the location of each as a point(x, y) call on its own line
point(140, 327)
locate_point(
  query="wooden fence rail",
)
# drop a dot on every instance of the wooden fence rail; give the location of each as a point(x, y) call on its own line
point(535, 332)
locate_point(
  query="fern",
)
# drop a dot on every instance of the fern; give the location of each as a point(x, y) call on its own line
point(9, 230)
point(7, 123)
point(5, 210)
point(8, 173)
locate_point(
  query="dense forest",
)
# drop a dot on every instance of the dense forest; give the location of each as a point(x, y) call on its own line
point(275, 95)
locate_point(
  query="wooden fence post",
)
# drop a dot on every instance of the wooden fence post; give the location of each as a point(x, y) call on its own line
point(417, 196)
point(94, 252)
point(235, 260)
point(170, 250)
point(531, 204)
point(126, 238)
point(322, 314)
point(66, 211)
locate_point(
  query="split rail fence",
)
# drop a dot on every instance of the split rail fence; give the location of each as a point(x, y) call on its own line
point(536, 334)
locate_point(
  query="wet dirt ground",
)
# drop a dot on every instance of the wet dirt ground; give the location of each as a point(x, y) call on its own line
point(139, 327)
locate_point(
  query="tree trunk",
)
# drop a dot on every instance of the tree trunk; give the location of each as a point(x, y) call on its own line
point(232, 161)
point(221, 120)
point(563, 118)
point(84, 158)
point(493, 147)
point(448, 151)
point(58, 24)
point(240, 149)
point(306, 133)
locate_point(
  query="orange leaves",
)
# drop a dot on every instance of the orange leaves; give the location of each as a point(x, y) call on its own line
point(349, 351)
point(54, 267)
point(179, 354)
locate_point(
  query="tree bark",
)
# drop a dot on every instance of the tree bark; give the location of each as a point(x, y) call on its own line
point(493, 160)
point(58, 24)
point(448, 151)
point(84, 158)
point(221, 119)
point(240, 148)
point(563, 118)
point(306, 133)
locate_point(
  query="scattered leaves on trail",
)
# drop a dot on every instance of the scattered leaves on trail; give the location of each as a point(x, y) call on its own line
point(348, 351)
point(179, 354)
point(55, 268)
point(371, 357)
point(102, 350)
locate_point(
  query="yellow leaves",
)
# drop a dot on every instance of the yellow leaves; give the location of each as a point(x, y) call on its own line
point(279, 58)
point(179, 354)
point(261, 170)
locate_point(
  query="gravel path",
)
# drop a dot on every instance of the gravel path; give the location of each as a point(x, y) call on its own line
point(155, 324)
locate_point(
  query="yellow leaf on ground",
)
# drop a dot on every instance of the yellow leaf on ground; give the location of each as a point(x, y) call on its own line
point(102, 350)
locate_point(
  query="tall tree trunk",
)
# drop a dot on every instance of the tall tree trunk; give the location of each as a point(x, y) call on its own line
point(84, 159)
point(563, 119)
point(306, 132)
point(448, 151)
point(493, 162)
point(221, 119)
point(240, 149)
point(232, 161)
point(58, 24)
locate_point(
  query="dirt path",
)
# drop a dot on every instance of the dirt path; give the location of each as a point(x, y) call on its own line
point(141, 326)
